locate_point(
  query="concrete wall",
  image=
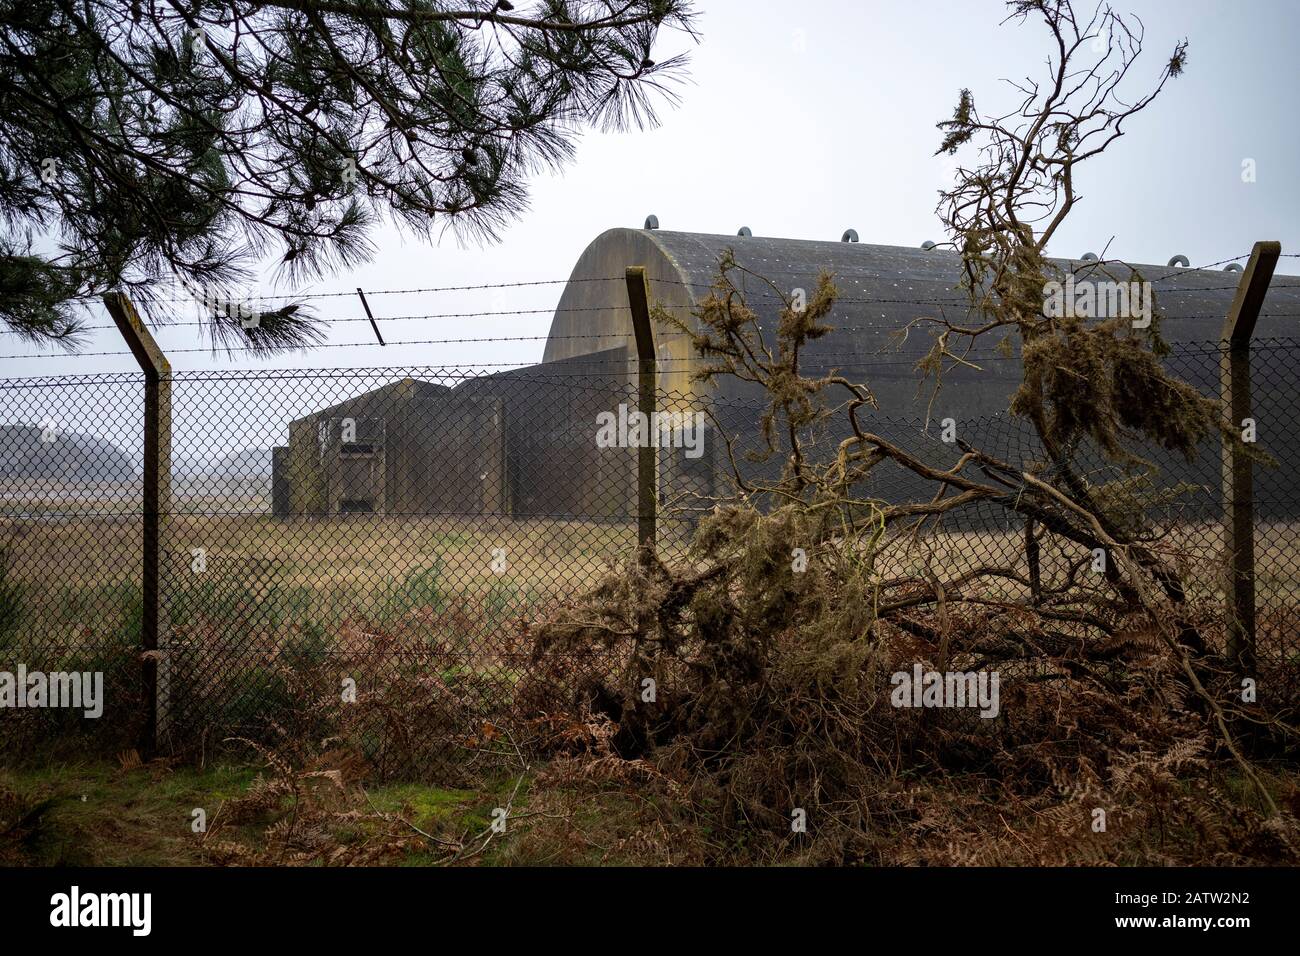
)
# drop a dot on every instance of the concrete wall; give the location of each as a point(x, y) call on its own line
point(552, 464)
point(434, 451)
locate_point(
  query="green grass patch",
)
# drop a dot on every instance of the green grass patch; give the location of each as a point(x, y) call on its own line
point(98, 814)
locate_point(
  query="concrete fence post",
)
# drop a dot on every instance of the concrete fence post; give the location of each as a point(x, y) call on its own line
point(647, 473)
point(1238, 479)
point(156, 502)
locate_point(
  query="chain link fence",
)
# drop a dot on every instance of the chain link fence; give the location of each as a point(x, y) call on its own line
point(365, 553)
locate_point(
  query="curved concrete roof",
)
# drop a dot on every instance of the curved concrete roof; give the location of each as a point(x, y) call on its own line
point(882, 289)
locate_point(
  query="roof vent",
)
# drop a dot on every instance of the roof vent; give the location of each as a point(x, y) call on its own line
point(651, 222)
point(1089, 257)
point(744, 231)
point(850, 235)
point(1233, 267)
point(928, 245)
point(1179, 261)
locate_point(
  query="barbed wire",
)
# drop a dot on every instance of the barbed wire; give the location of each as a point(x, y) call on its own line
point(875, 274)
point(578, 309)
point(454, 315)
point(959, 300)
point(989, 353)
point(445, 288)
point(964, 300)
point(519, 338)
point(161, 326)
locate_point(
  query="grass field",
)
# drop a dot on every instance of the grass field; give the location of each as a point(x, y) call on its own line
point(464, 580)
point(106, 813)
point(413, 609)
point(281, 611)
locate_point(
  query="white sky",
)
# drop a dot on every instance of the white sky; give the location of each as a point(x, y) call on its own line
point(801, 124)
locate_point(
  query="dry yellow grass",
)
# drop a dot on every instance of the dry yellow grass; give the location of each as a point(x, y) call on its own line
point(350, 552)
point(354, 566)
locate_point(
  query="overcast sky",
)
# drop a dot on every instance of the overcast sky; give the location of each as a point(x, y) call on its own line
point(803, 119)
